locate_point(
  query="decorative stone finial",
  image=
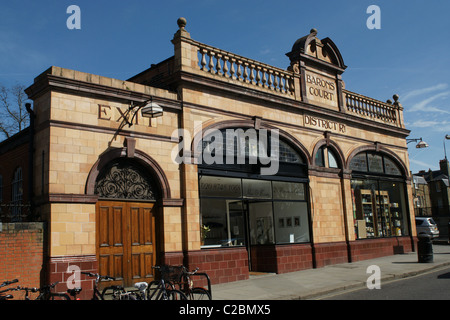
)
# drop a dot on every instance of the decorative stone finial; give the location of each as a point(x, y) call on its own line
point(181, 23)
point(395, 96)
point(313, 31)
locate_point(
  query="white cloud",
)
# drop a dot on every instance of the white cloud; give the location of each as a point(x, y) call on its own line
point(438, 126)
point(417, 92)
point(422, 164)
point(424, 105)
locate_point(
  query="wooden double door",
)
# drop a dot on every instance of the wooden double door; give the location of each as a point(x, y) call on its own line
point(126, 241)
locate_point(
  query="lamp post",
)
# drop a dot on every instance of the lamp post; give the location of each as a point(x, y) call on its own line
point(421, 144)
point(447, 137)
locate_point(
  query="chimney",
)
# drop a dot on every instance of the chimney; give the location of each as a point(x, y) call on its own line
point(443, 164)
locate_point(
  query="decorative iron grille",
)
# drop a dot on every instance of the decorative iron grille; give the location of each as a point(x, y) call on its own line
point(124, 180)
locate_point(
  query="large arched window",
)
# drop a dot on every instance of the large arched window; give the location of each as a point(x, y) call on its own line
point(242, 207)
point(379, 196)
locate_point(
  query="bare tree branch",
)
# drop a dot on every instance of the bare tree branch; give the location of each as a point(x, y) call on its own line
point(13, 114)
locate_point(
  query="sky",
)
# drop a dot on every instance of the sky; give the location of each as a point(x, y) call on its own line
point(408, 55)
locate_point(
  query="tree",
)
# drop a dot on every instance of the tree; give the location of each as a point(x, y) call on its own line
point(13, 114)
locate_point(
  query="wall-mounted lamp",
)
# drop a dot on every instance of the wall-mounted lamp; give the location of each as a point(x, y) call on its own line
point(152, 110)
point(421, 144)
point(149, 109)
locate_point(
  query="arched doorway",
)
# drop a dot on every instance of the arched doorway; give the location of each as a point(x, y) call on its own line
point(126, 221)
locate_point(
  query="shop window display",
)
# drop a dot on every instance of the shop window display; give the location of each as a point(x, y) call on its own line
point(379, 200)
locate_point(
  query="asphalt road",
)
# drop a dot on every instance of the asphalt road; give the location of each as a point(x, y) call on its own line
point(430, 286)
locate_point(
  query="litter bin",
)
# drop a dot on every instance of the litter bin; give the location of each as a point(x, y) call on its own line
point(448, 228)
point(425, 248)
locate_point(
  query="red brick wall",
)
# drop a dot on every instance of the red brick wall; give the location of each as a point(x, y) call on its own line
point(221, 265)
point(293, 257)
point(58, 267)
point(21, 254)
point(375, 248)
point(330, 253)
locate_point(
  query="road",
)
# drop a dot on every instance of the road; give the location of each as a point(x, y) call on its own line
point(430, 286)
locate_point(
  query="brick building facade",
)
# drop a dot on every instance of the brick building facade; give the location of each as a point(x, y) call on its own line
point(121, 191)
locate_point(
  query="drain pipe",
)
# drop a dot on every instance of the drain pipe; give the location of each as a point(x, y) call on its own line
point(30, 157)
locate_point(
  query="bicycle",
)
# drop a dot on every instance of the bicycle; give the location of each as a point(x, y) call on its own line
point(141, 294)
point(116, 290)
point(44, 292)
point(4, 284)
point(163, 289)
point(186, 285)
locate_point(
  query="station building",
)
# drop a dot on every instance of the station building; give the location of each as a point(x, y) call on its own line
point(124, 185)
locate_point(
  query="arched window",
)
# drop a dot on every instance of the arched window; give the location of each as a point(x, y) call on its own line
point(375, 163)
point(249, 150)
point(379, 196)
point(326, 157)
point(241, 207)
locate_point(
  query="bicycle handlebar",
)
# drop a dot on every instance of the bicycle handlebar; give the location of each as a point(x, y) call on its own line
point(96, 275)
point(7, 283)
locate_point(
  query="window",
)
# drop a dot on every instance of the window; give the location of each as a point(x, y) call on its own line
point(236, 211)
point(326, 157)
point(17, 194)
point(379, 199)
point(375, 163)
point(241, 207)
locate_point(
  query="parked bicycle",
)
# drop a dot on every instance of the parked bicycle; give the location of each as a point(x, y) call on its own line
point(164, 289)
point(45, 293)
point(108, 293)
point(186, 285)
point(4, 284)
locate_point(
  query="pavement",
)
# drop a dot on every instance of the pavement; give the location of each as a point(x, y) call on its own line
point(314, 283)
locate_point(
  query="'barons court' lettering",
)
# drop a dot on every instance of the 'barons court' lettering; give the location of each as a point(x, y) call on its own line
point(321, 87)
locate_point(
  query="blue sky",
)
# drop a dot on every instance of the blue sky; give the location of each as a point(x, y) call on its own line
point(408, 56)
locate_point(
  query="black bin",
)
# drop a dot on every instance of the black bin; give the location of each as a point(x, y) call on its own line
point(425, 248)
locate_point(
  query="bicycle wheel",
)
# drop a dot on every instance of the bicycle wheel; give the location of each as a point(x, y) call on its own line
point(175, 295)
point(154, 289)
point(112, 293)
point(199, 294)
point(58, 296)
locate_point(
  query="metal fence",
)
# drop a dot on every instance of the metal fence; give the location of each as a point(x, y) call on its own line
point(21, 212)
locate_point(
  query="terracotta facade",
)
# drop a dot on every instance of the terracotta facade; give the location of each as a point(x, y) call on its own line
point(85, 121)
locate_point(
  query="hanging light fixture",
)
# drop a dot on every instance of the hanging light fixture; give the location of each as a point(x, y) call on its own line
point(152, 110)
point(421, 144)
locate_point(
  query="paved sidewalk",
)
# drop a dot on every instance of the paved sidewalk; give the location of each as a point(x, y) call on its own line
point(312, 283)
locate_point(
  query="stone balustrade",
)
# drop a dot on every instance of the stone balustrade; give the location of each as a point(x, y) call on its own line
point(226, 66)
point(232, 66)
point(372, 109)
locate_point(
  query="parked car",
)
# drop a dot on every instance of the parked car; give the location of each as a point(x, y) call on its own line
point(426, 225)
